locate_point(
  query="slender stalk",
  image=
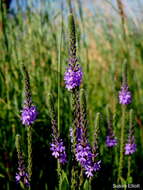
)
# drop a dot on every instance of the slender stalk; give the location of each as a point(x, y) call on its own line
point(59, 76)
point(131, 132)
point(123, 17)
point(69, 5)
point(17, 143)
point(89, 184)
point(121, 144)
point(59, 81)
point(129, 169)
point(29, 139)
point(76, 123)
point(96, 132)
point(124, 72)
point(81, 180)
point(83, 31)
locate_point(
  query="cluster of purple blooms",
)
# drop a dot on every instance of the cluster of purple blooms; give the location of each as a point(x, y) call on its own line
point(84, 153)
point(29, 115)
point(29, 112)
point(125, 95)
point(58, 151)
point(73, 77)
point(22, 175)
point(111, 141)
point(86, 158)
point(130, 147)
point(126, 98)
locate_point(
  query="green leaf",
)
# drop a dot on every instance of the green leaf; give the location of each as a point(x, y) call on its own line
point(63, 181)
point(87, 185)
point(130, 180)
point(2, 176)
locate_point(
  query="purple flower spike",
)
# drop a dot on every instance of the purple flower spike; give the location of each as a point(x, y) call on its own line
point(83, 153)
point(28, 115)
point(97, 166)
point(90, 169)
point(58, 151)
point(22, 176)
point(73, 77)
point(111, 141)
point(85, 157)
point(130, 147)
point(125, 95)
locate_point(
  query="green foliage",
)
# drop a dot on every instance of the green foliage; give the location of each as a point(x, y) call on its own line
point(63, 181)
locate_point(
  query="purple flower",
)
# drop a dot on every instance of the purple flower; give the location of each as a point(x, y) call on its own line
point(86, 158)
point(73, 77)
point(111, 141)
point(83, 153)
point(29, 115)
point(130, 147)
point(22, 175)
point(90, 169)
point(79, 134)
point(58, 151)
point(125, 95)
point(97, 166)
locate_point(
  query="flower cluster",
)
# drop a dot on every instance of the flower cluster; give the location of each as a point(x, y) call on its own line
point(111, 141)
point(130, 147)
point(58, 151)
point(29, 112)
point(125, 95)
point(73, 77)
point(22, 175)
point(29, 115)
point(86, 158)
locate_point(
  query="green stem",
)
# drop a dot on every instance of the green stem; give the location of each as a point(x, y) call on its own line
point(59, 77)
point(29, 139)
point(129, 168)
point(76, 118)
point(81, 180)
point(59, 171)
point(121, 144)
point(89, 184)
point(75, 176)
point(59, 81)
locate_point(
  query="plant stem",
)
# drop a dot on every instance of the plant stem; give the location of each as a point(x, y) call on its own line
point(129, 168)
point(29, 139)
point(59, 91)
point(121, 144)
